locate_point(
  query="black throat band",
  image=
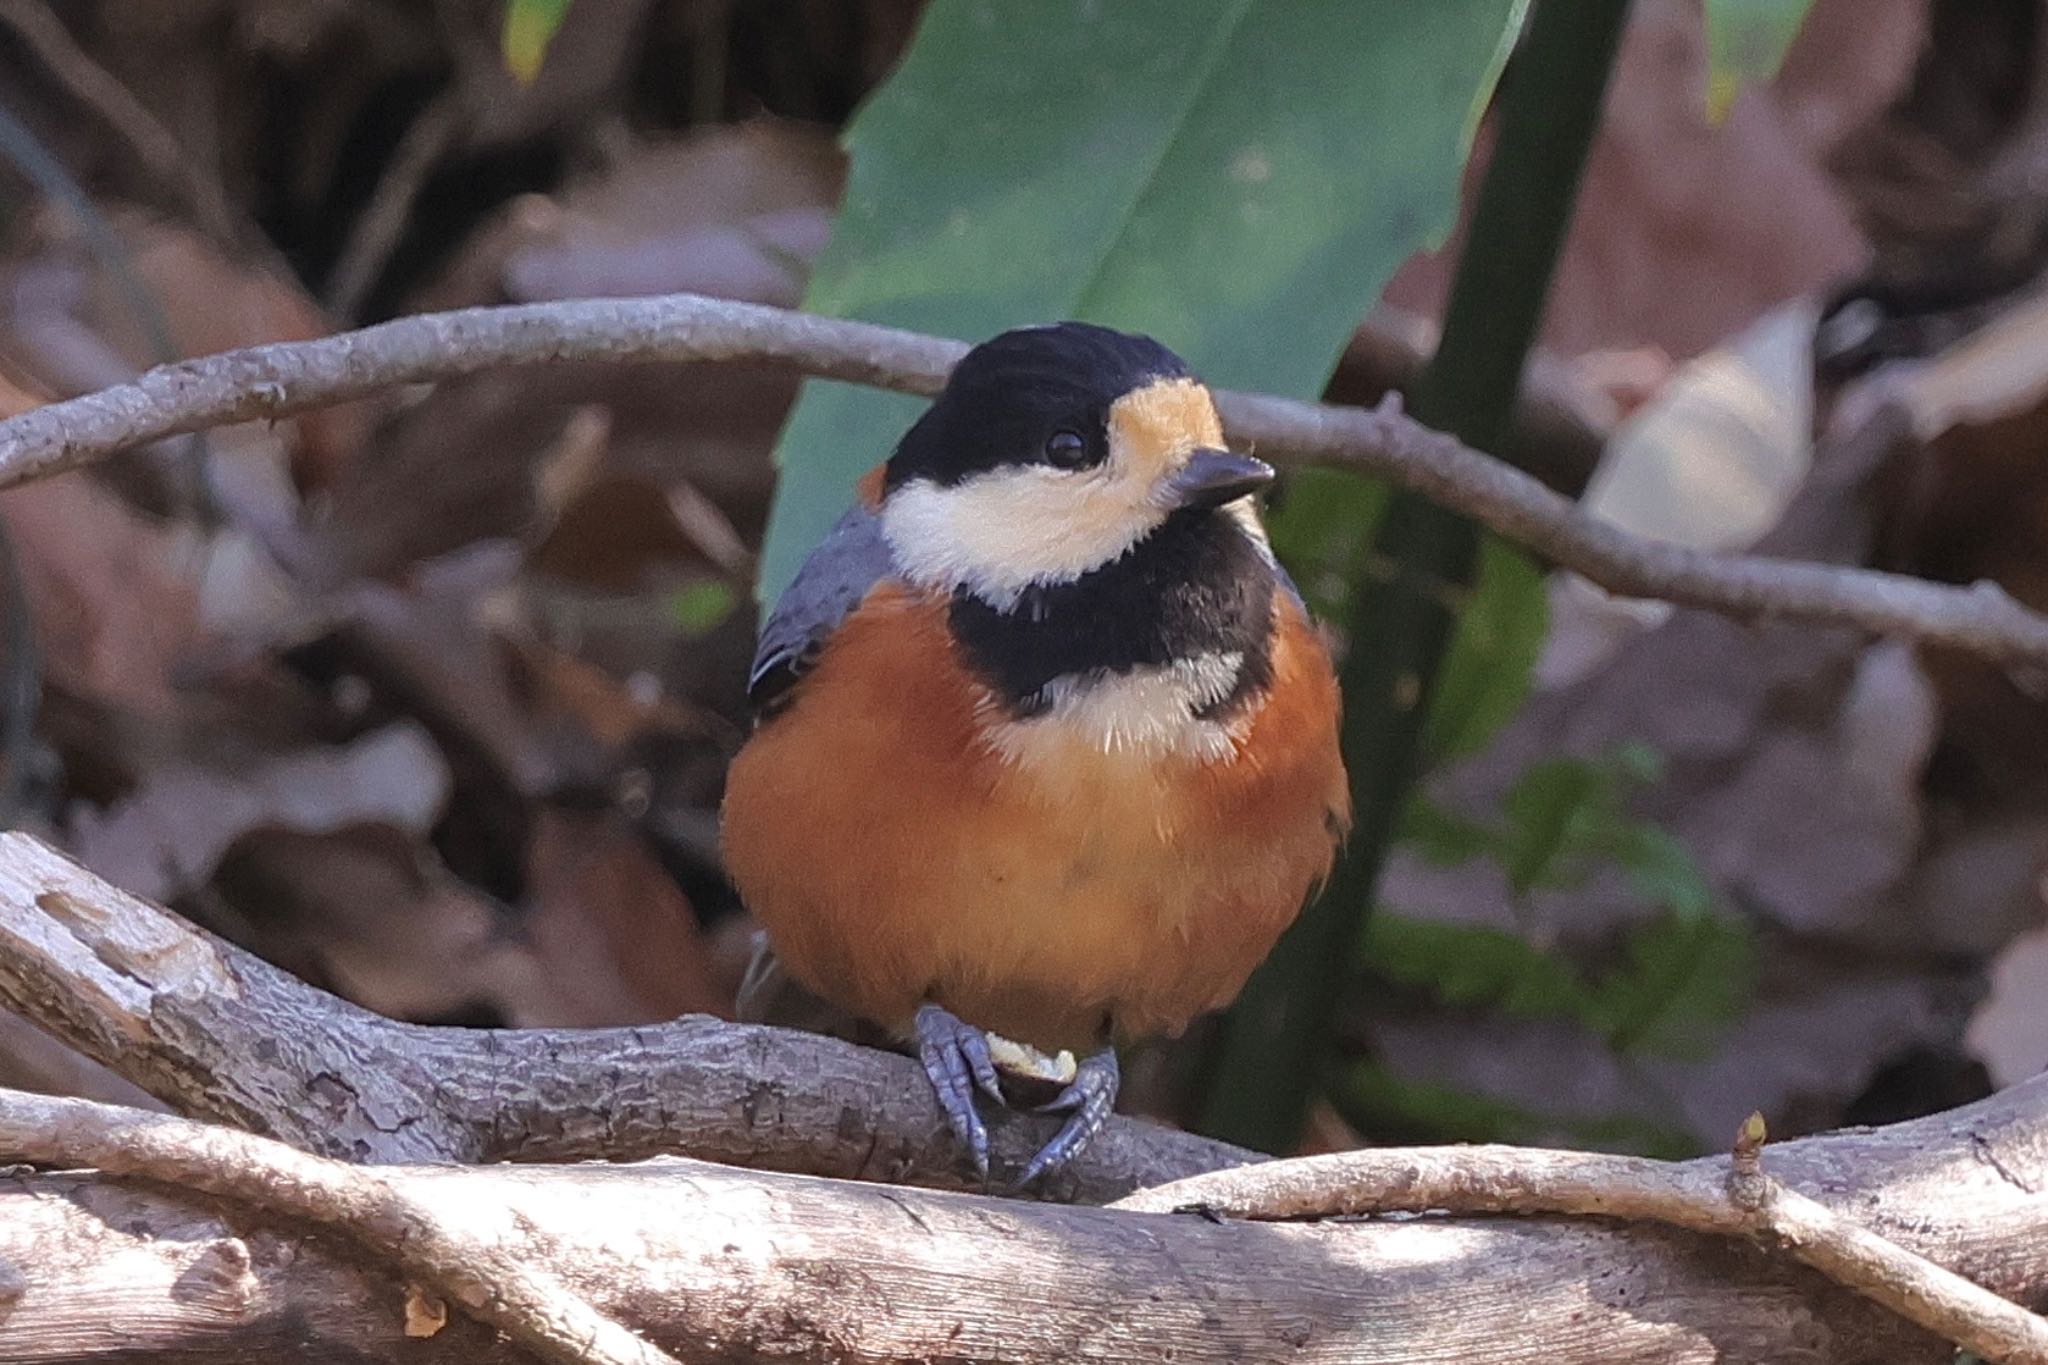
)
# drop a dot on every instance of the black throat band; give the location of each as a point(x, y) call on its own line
point(1198, 586)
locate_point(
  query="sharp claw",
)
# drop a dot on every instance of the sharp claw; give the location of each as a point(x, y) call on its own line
point(956, 1058)
point(977, 1144)
point(1092, 1098)
point(974, 1045)
point(956, 1061)
point(1070, 1098)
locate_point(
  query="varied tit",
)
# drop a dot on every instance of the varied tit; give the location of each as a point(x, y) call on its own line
point(1045, 744)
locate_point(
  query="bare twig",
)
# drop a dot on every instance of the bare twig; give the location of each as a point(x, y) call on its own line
point(465, 1263)
point(277, 380)
point(381, 225)
point(98, 89)
point(1732, 1198)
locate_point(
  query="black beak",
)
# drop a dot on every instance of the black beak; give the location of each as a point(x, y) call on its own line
point(1211, 478)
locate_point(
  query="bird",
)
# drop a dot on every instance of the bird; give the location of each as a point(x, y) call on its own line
point(1044, 748)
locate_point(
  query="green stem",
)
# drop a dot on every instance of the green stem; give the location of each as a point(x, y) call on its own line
point(1270, 1058)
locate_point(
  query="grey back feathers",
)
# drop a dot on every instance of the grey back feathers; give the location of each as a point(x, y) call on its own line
point(848, 562)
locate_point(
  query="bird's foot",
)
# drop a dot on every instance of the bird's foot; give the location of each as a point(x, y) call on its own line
point(1089, 1098)
point(956, 1059)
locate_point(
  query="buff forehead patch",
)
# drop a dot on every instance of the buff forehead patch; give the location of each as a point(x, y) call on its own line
point(1156, 426)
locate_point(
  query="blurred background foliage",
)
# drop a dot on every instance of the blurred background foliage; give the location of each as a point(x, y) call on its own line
point(428, 698)
point(1191, 170)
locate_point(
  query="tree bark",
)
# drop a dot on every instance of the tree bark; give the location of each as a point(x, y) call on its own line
point(715, 1263)
point(218, 1033)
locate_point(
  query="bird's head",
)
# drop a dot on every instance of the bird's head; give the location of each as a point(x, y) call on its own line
point(1051, 452)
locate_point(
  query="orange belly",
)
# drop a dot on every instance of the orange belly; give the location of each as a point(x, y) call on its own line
point(894, 858)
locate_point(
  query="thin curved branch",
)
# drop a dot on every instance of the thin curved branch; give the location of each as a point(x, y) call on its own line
point(278, 380)
point(218, 1033)
point(1722, 1196)
point(461, 1259)
point(379, 229)
point(155, 146)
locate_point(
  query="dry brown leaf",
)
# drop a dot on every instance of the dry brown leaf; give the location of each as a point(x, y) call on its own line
point(1685, 231)
point(1850, 60)
point(1978, 886)
point(1972, 503)
point(73, 327)
point(31, 1059)
point(609, 711)
point(15, 399)
point(619, 940)
point(738, 212)
point(425, 1314)
point(165, 839)
point(428, 647)
point(372, 914)
point(621, 535)
point(115, 605)
point(1997, 373)
point(376, 917)
point(468, 461)
point(1792, 767)
point(2010, 1031)
point(1809, 1047)
point(1712, 460)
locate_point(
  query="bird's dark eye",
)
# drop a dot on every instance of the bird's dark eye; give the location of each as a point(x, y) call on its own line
point(1066, 449)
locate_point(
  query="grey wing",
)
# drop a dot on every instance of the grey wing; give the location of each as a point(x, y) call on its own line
point(1280, 574)
point(849, 561)
point(1287, 585)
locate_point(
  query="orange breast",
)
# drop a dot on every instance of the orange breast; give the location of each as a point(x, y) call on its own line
point(894, 858)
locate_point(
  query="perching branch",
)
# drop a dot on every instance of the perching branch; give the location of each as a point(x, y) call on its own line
point(714, 1262)
point(218, 1033)
point(1734, 1198)
point(460, 1259)
point(278, 380)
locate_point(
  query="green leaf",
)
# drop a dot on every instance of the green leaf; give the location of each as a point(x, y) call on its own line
point(1746, 40)
point(1681, 976)
point(1442, 837)
point(1492, 656)
point(1679, 983)
point(1565, 816)
point(1548, 810)
point(1236, 177)
point(1390, 1108)
point(1663, 871)
point(1322, 523)
point(700, 607)
point(530, 25)
point(1685, 980)
point(1468, 966)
